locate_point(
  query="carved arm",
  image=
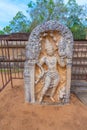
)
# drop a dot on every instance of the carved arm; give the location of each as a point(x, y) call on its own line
point(42, 70)
point(61, 61)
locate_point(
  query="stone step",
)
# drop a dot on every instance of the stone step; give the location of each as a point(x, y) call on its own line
point(82, 97)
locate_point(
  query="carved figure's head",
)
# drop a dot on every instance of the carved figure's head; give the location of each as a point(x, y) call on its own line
point(49, 48)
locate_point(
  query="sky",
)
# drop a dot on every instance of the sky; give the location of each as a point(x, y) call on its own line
point(9, 8)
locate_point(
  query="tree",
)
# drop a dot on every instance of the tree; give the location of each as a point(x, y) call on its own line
point(1, 32)
point(19, 23)
point(70, 14)
point(76, 18)
point(7, 30)
point(44, 10)
point(75, 13)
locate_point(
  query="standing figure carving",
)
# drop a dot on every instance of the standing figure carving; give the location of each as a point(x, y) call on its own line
point(52, 77)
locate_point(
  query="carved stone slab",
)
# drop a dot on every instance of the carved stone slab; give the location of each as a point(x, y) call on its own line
point(47, 71)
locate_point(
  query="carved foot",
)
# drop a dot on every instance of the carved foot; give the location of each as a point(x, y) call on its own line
point(53, 100)
point(40, 99)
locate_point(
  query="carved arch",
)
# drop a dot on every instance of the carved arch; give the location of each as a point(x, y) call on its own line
point(34, 45)
point(33, 49)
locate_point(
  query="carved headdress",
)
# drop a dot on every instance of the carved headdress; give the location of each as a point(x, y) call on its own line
point(48, 45)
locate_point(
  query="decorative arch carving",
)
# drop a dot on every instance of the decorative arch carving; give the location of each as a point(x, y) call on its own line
point(34, 48)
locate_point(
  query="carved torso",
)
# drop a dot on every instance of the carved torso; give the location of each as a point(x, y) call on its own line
point(50, 61)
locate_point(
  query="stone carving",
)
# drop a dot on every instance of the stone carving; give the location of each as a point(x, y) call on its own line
point(47, 72)
point(51, 76)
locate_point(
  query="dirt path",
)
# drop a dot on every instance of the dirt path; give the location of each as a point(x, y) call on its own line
point(16, 115)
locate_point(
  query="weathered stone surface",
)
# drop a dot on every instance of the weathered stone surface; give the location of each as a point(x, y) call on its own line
point(50, 44)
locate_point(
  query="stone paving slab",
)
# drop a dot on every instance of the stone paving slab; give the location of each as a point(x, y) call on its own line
point(83, 97)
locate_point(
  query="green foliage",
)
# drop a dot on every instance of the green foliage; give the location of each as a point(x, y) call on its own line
point(44, 10)
point(70, 14)
point(74, 13)
point(76, 19)
point(78, 31)
point(19, 23)
point(31, 4)
point(1, 32)
point(7, 29)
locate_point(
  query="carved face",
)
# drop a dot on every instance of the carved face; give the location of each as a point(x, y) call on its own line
point(50, 51)
point(49, 48)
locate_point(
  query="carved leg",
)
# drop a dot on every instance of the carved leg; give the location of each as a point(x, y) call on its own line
point(45, 88)
point(56, 82)
point(52, 94)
